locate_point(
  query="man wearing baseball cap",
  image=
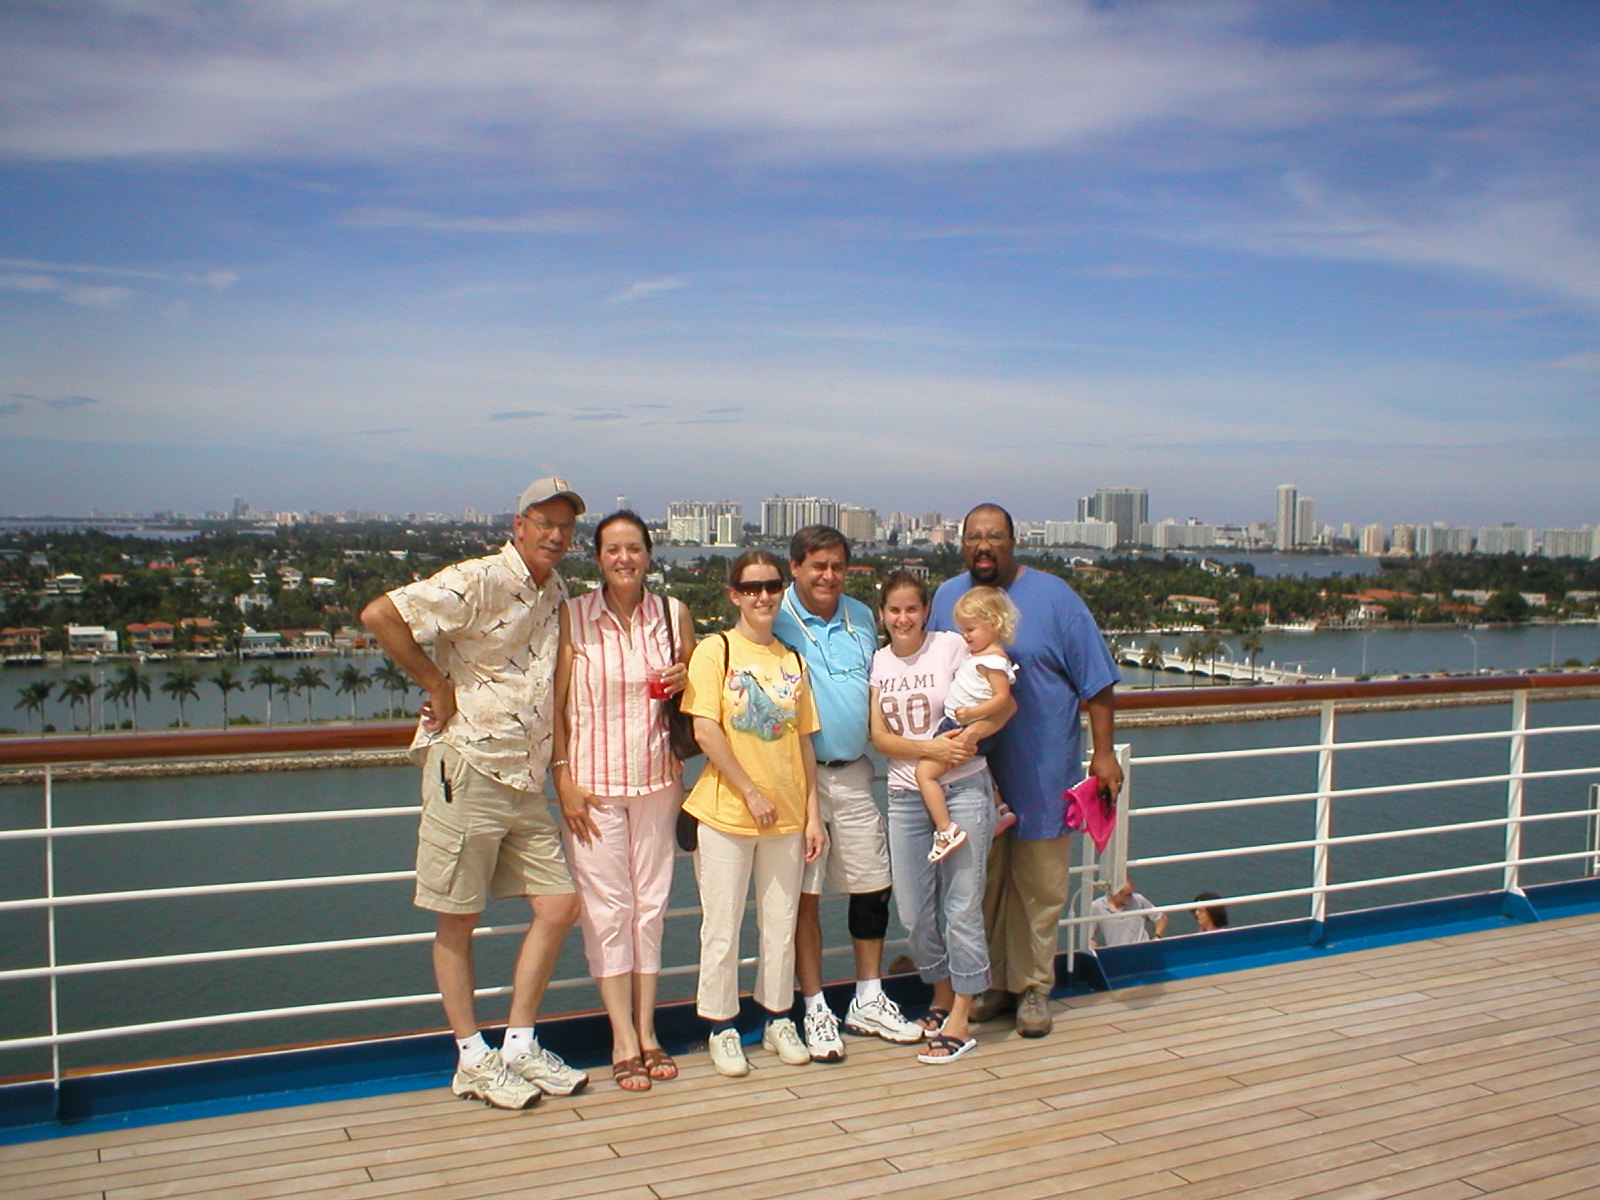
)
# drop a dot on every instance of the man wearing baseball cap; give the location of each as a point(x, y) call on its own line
point(479, 637)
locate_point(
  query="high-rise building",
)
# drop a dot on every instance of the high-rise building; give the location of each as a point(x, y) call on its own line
point(1305, 522)
point(1572, 543)
point(1287, 513)
point(858, 524)
point(1100, 534)
point(1403, 540)
point(1125, 507)
point(699, 521)
point(1171, 534)
point(785, 516)
point(1440, 538)
point(1372, 539)
point(1505, 539)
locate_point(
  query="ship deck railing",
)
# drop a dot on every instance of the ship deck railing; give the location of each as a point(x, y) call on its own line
point(1298, 920)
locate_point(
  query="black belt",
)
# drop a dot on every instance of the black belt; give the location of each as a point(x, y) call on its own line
point(833, 764)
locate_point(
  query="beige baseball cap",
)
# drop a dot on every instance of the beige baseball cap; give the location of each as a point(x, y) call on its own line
point(549, 488)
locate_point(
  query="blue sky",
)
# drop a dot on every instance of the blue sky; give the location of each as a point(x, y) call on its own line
point(405, 256)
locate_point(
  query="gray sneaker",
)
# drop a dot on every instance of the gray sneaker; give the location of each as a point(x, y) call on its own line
point(1033, 1013)
point(490, 1081)
point(545, 1070)
point(990, 1005)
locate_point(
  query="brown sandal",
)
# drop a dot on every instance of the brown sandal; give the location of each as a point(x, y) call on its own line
point(630, 1075)
point(658, 1063)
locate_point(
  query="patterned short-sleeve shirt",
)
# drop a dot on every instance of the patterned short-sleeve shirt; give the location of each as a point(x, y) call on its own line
point(493, 632)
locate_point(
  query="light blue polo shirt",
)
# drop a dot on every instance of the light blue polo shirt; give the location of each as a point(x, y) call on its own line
point(838, 656)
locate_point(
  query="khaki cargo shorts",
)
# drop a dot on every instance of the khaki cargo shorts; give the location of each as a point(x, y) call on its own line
point(481, 840)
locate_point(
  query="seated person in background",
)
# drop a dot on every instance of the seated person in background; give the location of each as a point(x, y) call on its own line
point(1121, 919)
point(1213, 916)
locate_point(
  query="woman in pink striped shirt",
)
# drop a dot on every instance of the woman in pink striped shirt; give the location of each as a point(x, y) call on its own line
point(619, 783)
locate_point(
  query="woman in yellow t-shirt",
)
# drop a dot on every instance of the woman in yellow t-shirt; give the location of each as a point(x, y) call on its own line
point(756, 801)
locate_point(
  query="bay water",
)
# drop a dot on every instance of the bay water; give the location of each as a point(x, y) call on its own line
point(134, 928)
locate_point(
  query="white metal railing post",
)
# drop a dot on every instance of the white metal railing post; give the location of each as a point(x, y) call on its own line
point(1324, 816)
point(1594, 829)
point(1515, 789)
point(50, 930)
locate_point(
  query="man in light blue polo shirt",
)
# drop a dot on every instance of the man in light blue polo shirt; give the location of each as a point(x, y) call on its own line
point(837, 636)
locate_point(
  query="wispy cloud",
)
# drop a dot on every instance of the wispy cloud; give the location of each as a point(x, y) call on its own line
point(60, 402)
point(517, 414)
point(554, 222)
point(645, 289)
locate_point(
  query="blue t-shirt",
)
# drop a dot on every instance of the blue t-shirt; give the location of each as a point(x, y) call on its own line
point(1061, 660)
point(838, 656)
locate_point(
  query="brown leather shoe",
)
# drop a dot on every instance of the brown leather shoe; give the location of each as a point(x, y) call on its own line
point(1033, 1013)
point(990, 1005)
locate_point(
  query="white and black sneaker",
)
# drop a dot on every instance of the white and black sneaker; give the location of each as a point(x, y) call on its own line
point(822, 1035)
point(881, 1017)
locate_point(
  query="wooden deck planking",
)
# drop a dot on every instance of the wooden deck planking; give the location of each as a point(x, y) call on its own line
point(1443, 1069)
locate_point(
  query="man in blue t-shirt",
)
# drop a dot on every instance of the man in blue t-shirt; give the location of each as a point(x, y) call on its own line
point(1062, 664)
point(837, 636)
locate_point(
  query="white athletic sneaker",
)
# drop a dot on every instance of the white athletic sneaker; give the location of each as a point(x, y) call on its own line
point(881, 1017)
point(492, 1083)
point(727, 1055)
point(781, 1037)
point(822, 1035)
point(545, 1070)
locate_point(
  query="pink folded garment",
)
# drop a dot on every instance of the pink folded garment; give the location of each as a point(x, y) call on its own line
point(1088, 812)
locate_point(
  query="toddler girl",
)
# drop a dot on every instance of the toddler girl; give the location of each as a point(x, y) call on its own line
point(987, 620)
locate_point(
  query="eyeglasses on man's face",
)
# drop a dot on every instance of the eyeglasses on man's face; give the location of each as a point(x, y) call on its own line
point(986, 537)
point(754, 587)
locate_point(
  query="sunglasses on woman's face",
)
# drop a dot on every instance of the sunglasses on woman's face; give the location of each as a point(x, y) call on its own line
point(755, 587)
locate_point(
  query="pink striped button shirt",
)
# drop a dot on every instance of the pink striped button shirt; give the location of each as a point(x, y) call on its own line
point(616, 735)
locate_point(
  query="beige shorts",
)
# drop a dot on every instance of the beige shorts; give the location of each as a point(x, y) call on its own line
point(480, 840)
point(855, 858)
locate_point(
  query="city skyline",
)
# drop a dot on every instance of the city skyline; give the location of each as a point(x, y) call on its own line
point(406, 256)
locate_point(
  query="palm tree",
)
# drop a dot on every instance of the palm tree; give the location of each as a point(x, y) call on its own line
point(1194, 653)
point(286, 688)
point(1152, 658)
point(266, 676)
point(133, 683)
point(80, 689)
point(1251, 645)
point(117, 693)
point(393, 680)
point(181, 684)
point(1212, 645)
point(308, 680)
point(352, 682)
point(32, 697)
point(226, 681)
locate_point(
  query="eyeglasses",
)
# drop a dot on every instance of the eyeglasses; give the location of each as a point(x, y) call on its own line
point(992, 539)
point(756, 586)
point(564, 528)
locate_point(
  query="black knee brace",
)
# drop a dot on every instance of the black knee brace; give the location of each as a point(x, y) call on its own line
point(869, 915)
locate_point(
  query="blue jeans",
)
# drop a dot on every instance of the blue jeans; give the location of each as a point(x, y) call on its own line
point(941, 904)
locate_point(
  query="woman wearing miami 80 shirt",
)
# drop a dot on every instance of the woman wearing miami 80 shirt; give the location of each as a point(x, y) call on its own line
point(940, 904)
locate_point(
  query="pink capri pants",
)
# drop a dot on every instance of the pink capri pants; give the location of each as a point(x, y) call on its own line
point(623, 879)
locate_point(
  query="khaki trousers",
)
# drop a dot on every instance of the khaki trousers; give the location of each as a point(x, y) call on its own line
point(724, 866)
point(1022, 903)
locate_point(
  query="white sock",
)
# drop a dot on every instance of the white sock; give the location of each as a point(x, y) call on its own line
point(472, 1050)
point(815, 1003)
point(868, 990)
point(519, 1041)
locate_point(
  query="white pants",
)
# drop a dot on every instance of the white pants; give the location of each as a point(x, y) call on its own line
point(723, 866)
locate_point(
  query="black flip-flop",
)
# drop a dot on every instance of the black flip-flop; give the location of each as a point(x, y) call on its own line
point(937, 1015)
point(953, 1049)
